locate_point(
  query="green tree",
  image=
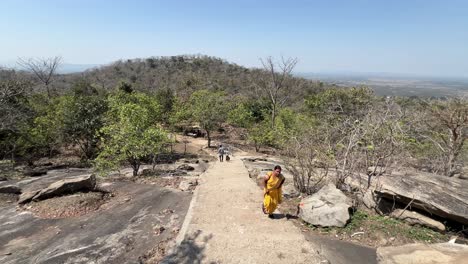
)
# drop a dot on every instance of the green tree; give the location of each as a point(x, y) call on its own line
point(261, 134)
point(82, 117)
point(241, 116)
point(41, 136)
point(131, 132)
point(208, 109)
point(340, 103)
point(166, 99)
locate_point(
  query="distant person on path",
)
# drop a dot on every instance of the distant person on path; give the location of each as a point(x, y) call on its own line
point(227, 153)
point(272, 193)
point(221, 153)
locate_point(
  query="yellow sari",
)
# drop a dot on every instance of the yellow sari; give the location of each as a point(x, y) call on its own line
point(274, 195)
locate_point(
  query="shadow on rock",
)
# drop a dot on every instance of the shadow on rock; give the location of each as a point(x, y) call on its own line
point(190, 250)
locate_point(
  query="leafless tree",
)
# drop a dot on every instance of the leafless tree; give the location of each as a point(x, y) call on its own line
point(43, 68)
point(11, 93)
point(446, 126)
point(306, 162)
point(276, 83)
point(348, 146)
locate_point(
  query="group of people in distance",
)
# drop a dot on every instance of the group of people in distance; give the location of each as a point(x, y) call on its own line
point(223, 151)
point(272, 185)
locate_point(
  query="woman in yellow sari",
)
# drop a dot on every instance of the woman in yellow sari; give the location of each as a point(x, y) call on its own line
point(272, 194)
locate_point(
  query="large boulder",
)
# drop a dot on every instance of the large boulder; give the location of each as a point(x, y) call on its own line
point(437, 195)
point(444, 253)
point(414, 218)
point(328, 207)
point(65, 186)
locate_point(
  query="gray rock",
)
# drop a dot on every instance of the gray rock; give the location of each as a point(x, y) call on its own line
point(368, 199)
point(254, 173)
point(10, 189)
point(65, 186)
point(188, 185)
point(27, 196)
point(443, 253)
point(289, 191)
point(3, 178)
point(376, 170)
point(82, 183)
point(35, 172)
point(415, 218)
point(254, 159)
point(147, 172)
point(438, 195)
point(185, 167)
point(328, 207)
point(442, 196)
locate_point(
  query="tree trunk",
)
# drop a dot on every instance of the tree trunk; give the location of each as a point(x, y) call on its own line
point(48, 91)
point(451, 164)
point(136, 166)
point(273, 115)
point(209, 138)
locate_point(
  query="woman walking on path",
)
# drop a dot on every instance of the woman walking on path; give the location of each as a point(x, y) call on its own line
point(272, 193)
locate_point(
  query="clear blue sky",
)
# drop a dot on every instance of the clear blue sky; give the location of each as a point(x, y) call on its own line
point(411, 36)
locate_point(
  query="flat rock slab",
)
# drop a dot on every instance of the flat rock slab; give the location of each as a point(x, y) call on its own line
point(444, 253)
point(415, 218)
point(439, 195)
point(123, 230)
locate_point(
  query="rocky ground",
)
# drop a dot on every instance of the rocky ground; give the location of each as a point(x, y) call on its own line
point(124, 229)
point(122, 219)
point(169, 213)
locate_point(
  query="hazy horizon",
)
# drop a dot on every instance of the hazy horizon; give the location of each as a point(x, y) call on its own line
point(420, 38)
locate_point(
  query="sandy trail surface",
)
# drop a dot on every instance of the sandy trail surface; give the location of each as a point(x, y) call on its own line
point(225, 224)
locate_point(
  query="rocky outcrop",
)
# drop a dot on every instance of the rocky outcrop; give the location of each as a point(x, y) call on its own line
point(185, 167)
point(188, 185)
point(35, 172)
point(414, 218)
point(437, 195)
point(65, 186)
point(10, 188)
point(328, 207)
point(444, 253)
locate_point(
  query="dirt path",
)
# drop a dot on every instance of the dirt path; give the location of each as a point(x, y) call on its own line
point(225, 224)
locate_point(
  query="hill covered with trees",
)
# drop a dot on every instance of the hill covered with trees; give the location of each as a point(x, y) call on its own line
point(125, 112)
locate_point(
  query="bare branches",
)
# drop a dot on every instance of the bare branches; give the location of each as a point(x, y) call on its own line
point(44, 69)
point(277, 82)
point(11, 107)
point(306, 163)
point(445, 125)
